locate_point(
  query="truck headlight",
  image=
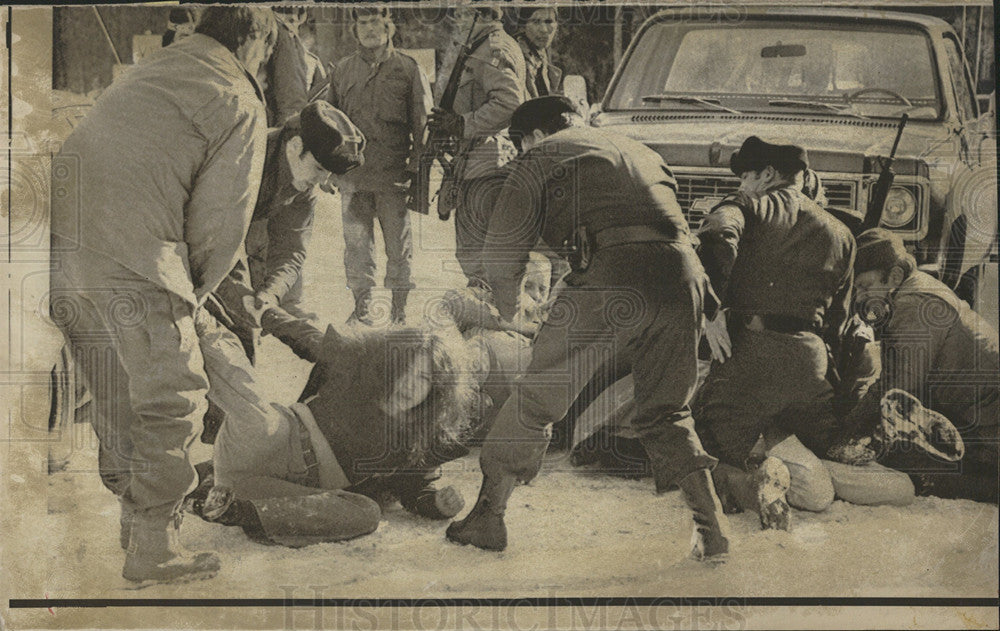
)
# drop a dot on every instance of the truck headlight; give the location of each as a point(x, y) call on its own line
point(900, 207)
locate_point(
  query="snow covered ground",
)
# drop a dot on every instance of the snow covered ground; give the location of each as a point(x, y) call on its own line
point(573, 532)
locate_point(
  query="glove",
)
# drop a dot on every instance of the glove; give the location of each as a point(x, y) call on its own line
point(446, 122)
point(255, 306)
point(263, 301)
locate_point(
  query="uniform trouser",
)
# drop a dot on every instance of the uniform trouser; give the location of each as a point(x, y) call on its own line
point(772, 381)
point(638, 304)
point(359, 210)
point(472, 221)
point(134, 343)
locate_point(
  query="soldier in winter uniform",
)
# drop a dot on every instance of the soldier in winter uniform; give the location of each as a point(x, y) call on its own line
point(172, 155)
point(782, 266)
point(386, 94)
point(300, 157)
point(639, 299)
point(491, 88)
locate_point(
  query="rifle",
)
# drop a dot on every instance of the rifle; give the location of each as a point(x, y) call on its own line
point(885, 179)
point(438, 147)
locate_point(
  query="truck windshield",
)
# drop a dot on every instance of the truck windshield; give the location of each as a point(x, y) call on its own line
point(787, 66)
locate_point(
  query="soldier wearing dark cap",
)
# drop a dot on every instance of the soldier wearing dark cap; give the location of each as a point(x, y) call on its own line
point(636, 294)
point(782, 266)
point(537, 28)
point(387, 95)
point(491, 88)
point(938, 349)
point(301, 156)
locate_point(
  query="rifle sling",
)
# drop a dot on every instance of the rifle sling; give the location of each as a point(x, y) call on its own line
point(479, 41)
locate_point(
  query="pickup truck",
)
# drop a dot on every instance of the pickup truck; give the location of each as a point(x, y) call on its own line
point(695, 82)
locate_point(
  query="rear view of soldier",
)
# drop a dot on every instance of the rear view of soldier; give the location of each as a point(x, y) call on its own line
point(782, 266)
point(639, 299)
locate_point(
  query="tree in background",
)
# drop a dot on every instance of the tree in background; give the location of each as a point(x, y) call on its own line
point(584, 45)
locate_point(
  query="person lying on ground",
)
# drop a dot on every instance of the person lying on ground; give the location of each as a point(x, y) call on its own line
point(381, 411)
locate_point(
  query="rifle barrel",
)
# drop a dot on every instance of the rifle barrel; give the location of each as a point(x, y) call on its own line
point(899, 134)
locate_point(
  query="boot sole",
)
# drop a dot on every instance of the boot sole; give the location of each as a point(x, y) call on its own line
point(499, 547)
point(180, 580)
point(772, 481)
point(713, 561)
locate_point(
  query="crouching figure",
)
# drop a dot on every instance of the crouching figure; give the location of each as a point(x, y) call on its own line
point(381, 411)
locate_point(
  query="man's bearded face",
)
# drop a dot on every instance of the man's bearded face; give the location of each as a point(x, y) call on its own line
point(373, 31)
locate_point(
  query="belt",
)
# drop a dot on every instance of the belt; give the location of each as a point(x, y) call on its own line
point(584, 243)
point(620, 235)
point(777, 323)
point(311, 475)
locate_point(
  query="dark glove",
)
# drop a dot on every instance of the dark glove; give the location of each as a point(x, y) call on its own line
point(413, 194)
point(446, 122)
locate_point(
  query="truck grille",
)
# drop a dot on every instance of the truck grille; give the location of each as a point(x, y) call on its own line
point(691, 188)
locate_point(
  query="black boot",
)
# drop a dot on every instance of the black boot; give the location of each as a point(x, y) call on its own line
point(735, 489)
point(362, 308)
point(484, 526)
point(399, 306)
point(710, 540)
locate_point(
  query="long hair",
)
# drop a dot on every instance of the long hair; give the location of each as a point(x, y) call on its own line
point(368, 364)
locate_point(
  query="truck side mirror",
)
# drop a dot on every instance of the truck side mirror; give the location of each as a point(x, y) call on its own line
point(575, 89)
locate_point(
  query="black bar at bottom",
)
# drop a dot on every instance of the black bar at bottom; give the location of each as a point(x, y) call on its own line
point(809, 601)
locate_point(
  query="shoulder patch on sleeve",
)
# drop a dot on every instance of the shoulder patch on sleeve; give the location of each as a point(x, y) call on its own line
point(502, 50)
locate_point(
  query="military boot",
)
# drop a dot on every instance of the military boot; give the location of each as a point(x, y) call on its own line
point(399, 306)
point(710, 539)
point(154, 553)
point(771, 483)
point(735, 489)
point(484, 526)
point(362, 308)
point(905, 421)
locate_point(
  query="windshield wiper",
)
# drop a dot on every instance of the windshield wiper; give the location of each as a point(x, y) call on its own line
point(816, 105)
point(714, 104)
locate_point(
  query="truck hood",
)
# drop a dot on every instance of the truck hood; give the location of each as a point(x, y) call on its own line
point(839, 144)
